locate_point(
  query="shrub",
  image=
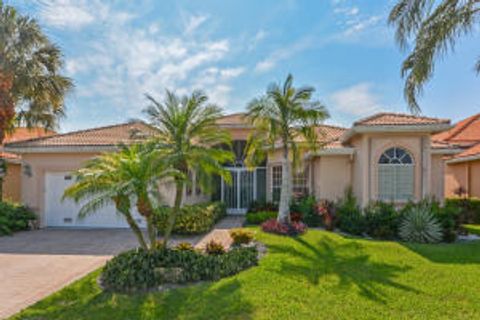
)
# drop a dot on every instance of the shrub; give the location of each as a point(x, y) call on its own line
point(292, 229)
point(420, 225)
point(472, 228)
point(259, 206)
point(14, 217)
point(241, 236)
point(260, 216)
point(307, 208)
point(446, 215)
point(184, 246)
point(214, 248)
point(141, 269)
point(327, 210)
point(193, 219)
point(468, 209)
point(381, 220)
point(349, 215)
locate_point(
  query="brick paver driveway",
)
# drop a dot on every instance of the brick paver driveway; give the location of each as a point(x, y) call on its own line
point(37, 263)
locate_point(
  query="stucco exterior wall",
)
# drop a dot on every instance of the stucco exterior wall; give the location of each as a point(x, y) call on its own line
point(12, 184)
point(465, 175)
point(437, 176)
point(331, 176)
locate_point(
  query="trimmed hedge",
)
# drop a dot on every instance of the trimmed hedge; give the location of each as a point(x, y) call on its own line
point(15, 217)
point(193, 219)
point(468, 209)
point(141, 269)
point(472, 228)
point(260, 216)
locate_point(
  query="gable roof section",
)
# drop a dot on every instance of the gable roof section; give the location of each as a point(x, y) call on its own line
point(87, 140)
point(465, 132)
point(470, 154)
point(20, 134)
point(396, 122)
point(234, 120)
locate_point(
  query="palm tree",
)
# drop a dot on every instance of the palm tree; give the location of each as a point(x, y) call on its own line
point(434, 27)
point(32, 91)
point(186, 142)
point(281, 117)
point(129, 176)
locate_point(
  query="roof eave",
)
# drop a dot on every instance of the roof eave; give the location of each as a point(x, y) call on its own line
point(430, 128)
point(343, 151)
point(464, 159)
point(62, 149)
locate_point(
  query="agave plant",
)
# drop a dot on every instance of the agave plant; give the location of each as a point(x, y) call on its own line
point(420, 225)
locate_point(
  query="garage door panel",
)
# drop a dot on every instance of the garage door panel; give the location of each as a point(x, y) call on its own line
point(65, 213)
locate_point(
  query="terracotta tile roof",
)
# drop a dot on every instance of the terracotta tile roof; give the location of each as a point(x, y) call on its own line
point(9, 156)
point(20, 134)
point(233, 119)
point(102, 136)
point(327, 134)
point(470, 152)
point(395, 119)
point(465, 132)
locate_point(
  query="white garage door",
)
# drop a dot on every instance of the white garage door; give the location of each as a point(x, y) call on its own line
point(65, 213)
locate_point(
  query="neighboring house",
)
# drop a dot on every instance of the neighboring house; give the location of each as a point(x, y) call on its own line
point(12, 185)
point(462, 171)
point(386, 156)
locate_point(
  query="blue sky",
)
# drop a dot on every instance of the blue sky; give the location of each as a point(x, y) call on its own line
point(118, 51)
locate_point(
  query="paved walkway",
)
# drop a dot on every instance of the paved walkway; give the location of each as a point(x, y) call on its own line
point(221, 230)
point(35, 264)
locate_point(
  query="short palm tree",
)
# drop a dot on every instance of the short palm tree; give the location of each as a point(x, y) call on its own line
point(282, 117)
point(434, 26)
point(126, 178)
point(187, 142)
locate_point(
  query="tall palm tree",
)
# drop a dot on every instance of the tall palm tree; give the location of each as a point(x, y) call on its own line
point(281, 117)
point(186, 142)
point(124, 178)
point(434, 27)
point(32, 91)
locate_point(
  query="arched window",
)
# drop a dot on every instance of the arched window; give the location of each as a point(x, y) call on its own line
point(395, 175)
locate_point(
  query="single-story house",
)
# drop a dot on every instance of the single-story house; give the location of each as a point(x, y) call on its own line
point(462, 171)
point(12, 185)
point(386, 156)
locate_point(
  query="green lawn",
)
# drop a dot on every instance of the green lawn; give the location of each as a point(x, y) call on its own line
point(320, 275)
point(472, 228)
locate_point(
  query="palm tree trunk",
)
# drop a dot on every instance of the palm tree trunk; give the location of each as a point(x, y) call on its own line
point(175, 211)
point(144, 207)
point(7, 113)
point(286, 191)
point(136, 230)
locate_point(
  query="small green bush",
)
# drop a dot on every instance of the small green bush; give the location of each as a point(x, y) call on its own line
point(420, 225)
point(258, 206)
point(214, 248)
point(381, 220)
point(260, 216)
point(468, 209)
point(186, 246)
point(241, 236)
point(472, 228)
point(349, 214)
point(307, 208)
point(193, 219)
point(141, 269)
point(14, 217)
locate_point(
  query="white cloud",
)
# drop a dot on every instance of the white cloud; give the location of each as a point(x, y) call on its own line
point(66, 14)
point(194, 22)
point(284, 53)
point(348, 11)
point(256, 39)
point(357, 26)
point(357, 100)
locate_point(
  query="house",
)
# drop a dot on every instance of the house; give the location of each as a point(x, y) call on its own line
point(12, 180)
point(462, 171)
point(387, 156)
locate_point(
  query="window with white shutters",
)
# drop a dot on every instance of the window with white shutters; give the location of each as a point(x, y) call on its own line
point(395, 175)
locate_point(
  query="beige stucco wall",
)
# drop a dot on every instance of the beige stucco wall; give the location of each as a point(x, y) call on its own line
point(437, 178)
point(33, 191)
point(12, 185)
point(465, 175)
point(331, 176)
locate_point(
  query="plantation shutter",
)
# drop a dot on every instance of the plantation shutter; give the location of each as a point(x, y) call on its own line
point(395, 175)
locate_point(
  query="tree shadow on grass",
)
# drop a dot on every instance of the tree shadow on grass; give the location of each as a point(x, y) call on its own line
point(346, 261)
point(84, 300)
point(451, 253)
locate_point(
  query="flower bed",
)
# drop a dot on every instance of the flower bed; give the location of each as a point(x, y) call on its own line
point(140, 269)
point(292, 229)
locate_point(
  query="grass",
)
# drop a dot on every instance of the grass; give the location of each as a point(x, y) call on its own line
point(472, 228)
point(319, 275)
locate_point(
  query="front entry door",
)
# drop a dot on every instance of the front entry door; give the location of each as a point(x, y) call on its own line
point(243, 189)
